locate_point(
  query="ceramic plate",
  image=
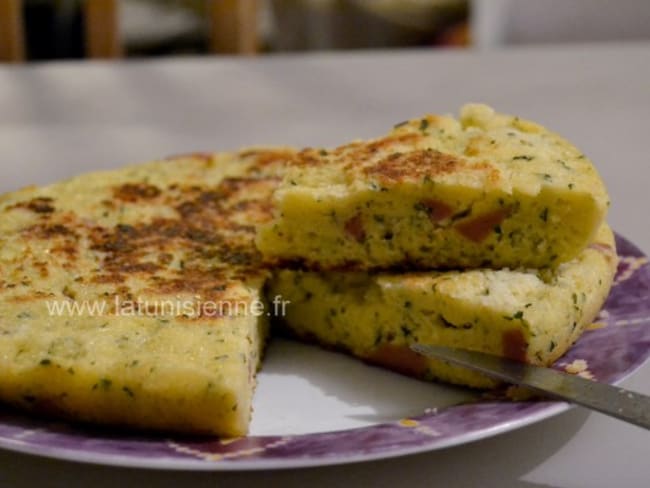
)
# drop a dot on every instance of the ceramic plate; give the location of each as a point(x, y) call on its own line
point(315, 408)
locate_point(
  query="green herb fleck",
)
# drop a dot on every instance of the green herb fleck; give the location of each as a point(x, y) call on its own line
point(544, 214)
point(69, 292)
point(45, 362)
point(462, 214)
point(424, 124)
point(104, 384)
point(523, 157)
point(378, 337)
point(446, 323)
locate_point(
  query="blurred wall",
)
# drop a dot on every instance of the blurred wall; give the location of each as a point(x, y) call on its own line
point(498, 22)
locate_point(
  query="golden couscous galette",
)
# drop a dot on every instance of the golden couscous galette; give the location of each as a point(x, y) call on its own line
point(142, 297)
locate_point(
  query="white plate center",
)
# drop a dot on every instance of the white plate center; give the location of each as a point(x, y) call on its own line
point(303, 389)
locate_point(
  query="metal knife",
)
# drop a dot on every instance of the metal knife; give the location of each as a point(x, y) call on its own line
point(618, 402)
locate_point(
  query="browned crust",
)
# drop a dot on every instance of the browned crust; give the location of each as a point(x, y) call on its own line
point(39, 205)
point(414, 165)
point(204, 246)
point(133, 192)
point(206, 157)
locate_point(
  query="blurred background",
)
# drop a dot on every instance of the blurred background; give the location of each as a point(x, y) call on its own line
point(32, 30)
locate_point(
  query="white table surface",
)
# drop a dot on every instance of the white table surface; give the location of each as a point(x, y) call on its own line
point(62, 118)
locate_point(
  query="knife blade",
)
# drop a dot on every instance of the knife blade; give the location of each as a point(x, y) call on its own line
point(611, 400)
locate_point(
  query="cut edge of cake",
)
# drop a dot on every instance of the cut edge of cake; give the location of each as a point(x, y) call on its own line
point(486, 190)
point(528, 315)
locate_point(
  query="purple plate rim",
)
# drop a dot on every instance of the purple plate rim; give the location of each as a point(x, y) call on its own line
point(626, 334)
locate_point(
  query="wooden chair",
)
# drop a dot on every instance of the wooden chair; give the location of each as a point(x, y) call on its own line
point(232, 26)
